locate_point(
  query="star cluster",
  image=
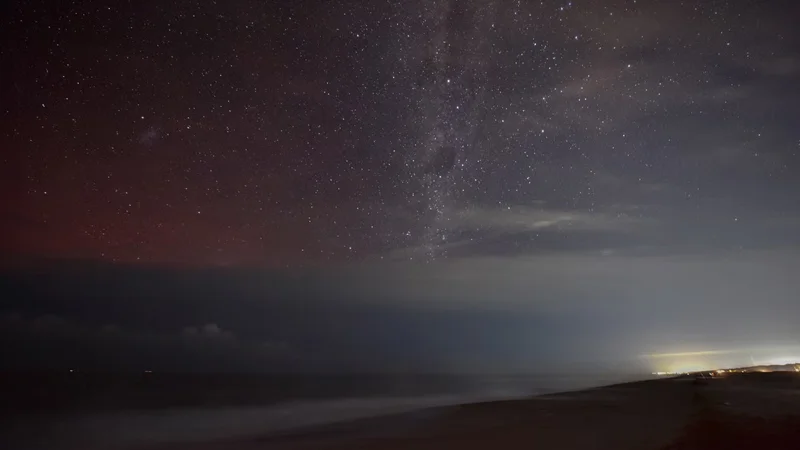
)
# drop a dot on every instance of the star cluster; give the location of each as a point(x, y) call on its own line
point(306, 132)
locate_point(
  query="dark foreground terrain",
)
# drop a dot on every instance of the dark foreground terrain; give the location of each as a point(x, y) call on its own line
point(753, 410)
point(737, 410)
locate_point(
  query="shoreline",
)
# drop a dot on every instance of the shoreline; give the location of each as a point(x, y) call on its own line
point(661, 414)
point(422, 414)
point(410, 424)
point(667, 413)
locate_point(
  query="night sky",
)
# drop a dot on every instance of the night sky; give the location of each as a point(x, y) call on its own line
point(629, 165)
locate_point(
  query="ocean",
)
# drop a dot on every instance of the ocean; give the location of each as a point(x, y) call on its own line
point(88, 411)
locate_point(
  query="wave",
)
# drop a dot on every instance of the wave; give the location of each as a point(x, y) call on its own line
point(128, 429)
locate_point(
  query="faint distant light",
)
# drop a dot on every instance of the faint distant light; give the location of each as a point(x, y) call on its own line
point(780, 361)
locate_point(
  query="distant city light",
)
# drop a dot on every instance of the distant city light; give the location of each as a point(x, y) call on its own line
point(780, 361)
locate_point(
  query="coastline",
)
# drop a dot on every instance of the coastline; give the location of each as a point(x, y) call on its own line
point(674, 413)
point(455, 424)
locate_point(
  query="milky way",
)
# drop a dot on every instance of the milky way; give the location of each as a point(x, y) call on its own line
point(450, 67)
point(433, 184)
point(326, 132)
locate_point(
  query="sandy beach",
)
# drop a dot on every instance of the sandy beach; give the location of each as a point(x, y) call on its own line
point(755, 410)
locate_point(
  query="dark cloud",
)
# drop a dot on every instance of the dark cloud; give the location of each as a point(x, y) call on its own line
point(207, 331)
point(51, 341)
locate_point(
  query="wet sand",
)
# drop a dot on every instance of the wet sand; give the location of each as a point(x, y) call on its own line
point(759, 410)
